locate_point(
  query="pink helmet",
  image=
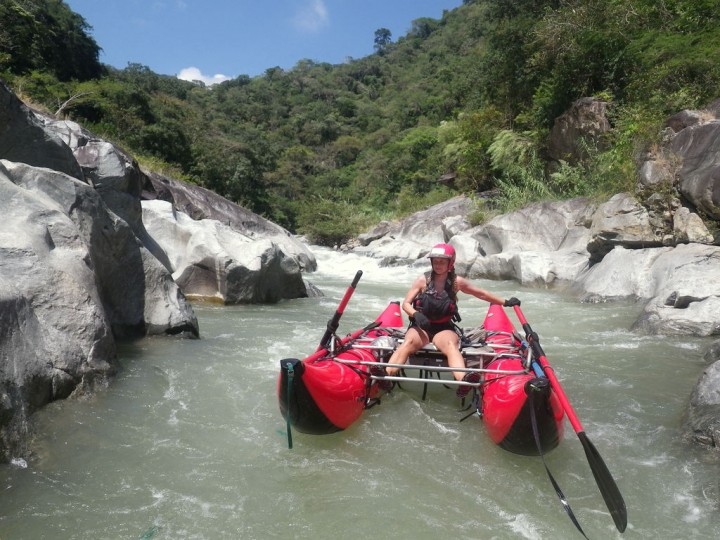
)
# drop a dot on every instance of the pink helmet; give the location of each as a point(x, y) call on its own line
point(443, 251)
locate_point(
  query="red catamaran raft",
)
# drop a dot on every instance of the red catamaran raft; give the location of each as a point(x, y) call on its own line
point(519, 399)
point(328, 391)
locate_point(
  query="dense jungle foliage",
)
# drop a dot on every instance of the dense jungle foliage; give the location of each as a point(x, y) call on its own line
point(327, 150)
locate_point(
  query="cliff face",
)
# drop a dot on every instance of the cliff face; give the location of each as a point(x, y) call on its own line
point(80, 269)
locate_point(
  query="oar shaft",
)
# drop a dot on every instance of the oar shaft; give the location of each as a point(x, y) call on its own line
point(569, 411)
point(348, 293)
point(537, 349)
point(333, 323)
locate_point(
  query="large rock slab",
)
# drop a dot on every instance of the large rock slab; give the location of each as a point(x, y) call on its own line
point(23, 138)
point(212, 261)
point(200, 203)
point(703, 419)
point(407, 241)
point(622, 274)
point(621, 221)
point(541, 244)
point(680, 286)
point(547, 226)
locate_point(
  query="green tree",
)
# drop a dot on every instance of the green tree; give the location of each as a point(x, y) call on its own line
point(47, 35)
point(383, 38)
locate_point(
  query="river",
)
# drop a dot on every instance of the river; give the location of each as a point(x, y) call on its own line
point(188, 441)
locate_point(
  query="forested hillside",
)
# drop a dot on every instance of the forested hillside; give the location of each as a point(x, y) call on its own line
point(327, 150)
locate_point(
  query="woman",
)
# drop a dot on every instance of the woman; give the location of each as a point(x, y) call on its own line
point(431, 305)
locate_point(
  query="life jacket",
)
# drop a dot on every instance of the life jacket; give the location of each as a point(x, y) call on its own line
point(438, 306)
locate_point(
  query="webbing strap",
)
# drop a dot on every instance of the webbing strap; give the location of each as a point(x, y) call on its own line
point(558, 491)
point(290, 378)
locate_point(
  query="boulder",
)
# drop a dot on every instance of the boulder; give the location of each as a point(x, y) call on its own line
point(582, 126)
point(688, 227)
point(621, 275)
point(211, 261)
point(686, 295)
point(130, 282)
point(697, 318)
point(384, 228)
point(540, 244)
point(679, 285)
point(412, 238)
point(622, 221)
point(23, 138)
point(547, 226)
point(656, 172)
point(114, 174)
point(688, 160)
point(698, 147)
point(200, 203)
point(703, 413)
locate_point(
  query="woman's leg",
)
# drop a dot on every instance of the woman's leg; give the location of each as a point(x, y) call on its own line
point(447, 342)
point(415, 339)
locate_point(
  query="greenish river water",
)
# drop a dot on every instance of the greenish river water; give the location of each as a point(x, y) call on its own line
point(188, 441)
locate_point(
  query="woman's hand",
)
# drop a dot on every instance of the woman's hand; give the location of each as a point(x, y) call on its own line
point(421, 321)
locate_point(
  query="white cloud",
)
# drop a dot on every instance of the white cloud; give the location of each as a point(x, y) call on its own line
point(312, 17)
point(194, 74)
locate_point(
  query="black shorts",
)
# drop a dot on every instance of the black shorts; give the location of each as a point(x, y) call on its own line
point(435, 328)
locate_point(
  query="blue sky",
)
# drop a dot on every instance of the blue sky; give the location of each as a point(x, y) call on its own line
point(214, 40)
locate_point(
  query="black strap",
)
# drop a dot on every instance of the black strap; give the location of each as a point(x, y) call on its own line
point(290, 378)
point(558, 491)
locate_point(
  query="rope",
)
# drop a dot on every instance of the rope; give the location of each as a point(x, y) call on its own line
point(558, 491)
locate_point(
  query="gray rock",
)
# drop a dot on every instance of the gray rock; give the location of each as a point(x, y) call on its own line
point(699, 177)
point(689, 228)
point(583, 125)
point(548, 226)
point(109, 169)
point(622, 221)
point(703, 419)
point(200, 203)
point(54, 333)
point(689, 159)
point(411, 239)
point(212, 261)
point(23, 138)
point(72, 278)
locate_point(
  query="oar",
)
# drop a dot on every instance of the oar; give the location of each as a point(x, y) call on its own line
point(334, 322)
point(606, 483)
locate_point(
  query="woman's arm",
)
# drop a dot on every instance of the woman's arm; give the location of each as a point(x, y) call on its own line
point(469, 288)
point(416, 288)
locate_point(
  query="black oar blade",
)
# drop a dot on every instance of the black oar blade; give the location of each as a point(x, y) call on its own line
point(606, 483)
